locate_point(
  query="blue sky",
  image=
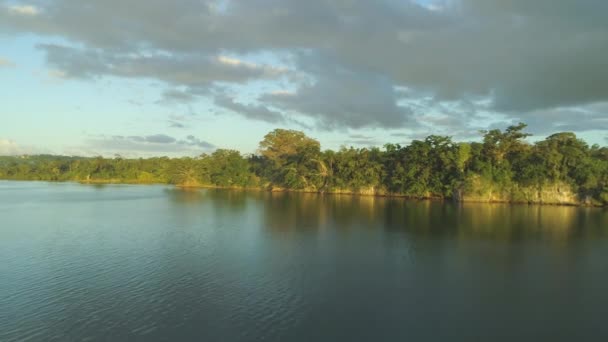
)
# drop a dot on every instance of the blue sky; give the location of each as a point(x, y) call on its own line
point(147, 78)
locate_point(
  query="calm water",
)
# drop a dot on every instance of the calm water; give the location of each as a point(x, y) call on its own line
point(152, 263)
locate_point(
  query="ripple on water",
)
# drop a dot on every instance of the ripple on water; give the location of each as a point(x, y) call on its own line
point(138, 263)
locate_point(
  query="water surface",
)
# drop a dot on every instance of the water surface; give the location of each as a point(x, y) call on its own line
point(153, 263)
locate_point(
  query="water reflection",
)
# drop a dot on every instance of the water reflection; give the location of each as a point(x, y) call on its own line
point(303, 212)
point(229, 199)
point(157, 263)
point(520, 222)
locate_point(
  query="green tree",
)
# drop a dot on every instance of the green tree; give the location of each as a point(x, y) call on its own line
point(228, 168)
point(294, 159)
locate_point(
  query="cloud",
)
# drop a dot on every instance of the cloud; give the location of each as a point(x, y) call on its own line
point(175, 124)
point(360, 136)
point(135, 103)
point(26, 10)
point(577, 119)
point(180, 121)
point(147, 145)
point(235, 62)
point(159, 139)
point(172, 96)
point(340, 97)
point(6, 63)
point(193, 141)
point(194, 73)
point(190, 70)
point(400, 135)
point(343, 59)
point(57, 74)
point(256, 112)
point(10, 147)
point(360, 139)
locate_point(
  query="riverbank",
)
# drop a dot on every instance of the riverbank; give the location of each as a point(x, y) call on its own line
point(557, 195)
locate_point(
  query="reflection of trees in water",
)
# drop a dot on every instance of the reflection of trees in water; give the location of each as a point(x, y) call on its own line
point(286, 211)
point(302, 211)
point(432, 219)
point(518, 222)
point(220, 199)
point(292, 212)
point(228, 200)
point(185, 195)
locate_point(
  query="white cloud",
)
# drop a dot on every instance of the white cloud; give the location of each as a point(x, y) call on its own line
point(11, 148)
point(6, 63)
point(57, 74)
point(282, 92)
point(234, 61)
point(27, 10)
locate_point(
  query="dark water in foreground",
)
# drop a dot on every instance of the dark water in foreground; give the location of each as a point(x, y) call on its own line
point(152, 263)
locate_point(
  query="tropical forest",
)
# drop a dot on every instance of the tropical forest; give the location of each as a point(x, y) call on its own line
point(502, 167)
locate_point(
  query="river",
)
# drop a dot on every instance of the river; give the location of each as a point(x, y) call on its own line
point(155, 263)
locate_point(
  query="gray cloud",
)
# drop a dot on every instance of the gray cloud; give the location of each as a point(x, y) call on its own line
point(360, 136)
point(361, 139)
point(181, 121)
point(342, 97)
point(150, 145)
point(194, 70)
point(257, 112)
point(171, 96)
point(399, 135)
point(527, 58)
point(175, 124)
point(577, 119)
point(193, 141)
point(159, 139)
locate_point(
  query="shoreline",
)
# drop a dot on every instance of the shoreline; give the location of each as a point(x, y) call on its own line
point(332, 193)
point(387, 195)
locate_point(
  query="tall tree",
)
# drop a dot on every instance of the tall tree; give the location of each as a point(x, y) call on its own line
point(295, 159)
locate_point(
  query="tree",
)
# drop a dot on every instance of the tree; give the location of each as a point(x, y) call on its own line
point(504, 163)
point(294, 159)
point(184, 171)
point(228, 168)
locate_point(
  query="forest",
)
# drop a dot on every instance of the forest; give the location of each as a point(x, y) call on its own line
point(503, 167)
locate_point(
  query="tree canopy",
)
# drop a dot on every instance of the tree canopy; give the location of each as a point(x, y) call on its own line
point(503, 162)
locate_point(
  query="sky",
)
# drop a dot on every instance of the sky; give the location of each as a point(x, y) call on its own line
point(145, 78)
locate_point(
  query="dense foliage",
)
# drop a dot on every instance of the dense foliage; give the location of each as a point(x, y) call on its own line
point(503, 163)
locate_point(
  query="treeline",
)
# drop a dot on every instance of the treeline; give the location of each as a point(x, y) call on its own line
point(501, 167)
